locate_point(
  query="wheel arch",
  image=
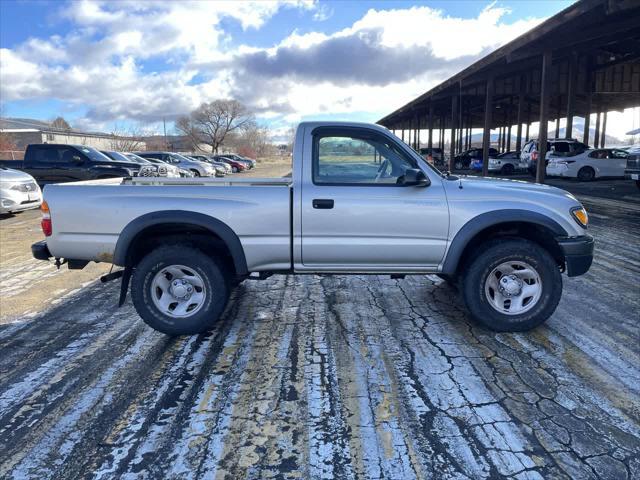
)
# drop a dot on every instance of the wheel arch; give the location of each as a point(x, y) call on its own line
point(510, 222)
point(186, 221)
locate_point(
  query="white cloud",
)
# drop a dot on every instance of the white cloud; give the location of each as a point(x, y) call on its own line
point(382, 61)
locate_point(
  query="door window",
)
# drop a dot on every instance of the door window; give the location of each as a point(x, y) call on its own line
point(599, 154)
point(356, 159)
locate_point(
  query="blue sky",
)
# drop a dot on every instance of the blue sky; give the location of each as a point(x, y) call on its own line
point(107, 64)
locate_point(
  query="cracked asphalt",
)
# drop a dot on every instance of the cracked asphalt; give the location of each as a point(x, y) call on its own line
point(329, 377)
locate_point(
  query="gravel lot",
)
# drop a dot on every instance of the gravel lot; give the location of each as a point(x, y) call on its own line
point(324, 377)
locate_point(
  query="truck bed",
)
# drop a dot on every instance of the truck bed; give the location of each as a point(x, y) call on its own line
point(89, 216)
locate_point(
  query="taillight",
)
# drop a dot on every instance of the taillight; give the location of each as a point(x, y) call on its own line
point(45, 223)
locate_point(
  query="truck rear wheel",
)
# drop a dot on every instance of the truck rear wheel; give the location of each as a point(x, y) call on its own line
point(513, 286)
point(179, 290)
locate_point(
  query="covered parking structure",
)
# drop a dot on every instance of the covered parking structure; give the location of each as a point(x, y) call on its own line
point(583, 60)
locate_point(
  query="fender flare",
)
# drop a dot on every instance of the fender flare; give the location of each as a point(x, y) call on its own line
point(219, 228)
point(489, 219)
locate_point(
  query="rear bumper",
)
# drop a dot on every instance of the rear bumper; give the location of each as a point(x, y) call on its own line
point(578, 253)
point(40, 251)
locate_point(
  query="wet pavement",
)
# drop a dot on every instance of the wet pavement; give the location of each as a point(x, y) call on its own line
point(335, 377)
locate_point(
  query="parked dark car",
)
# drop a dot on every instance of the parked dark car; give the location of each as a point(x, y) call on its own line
point(506, 163)
point(235, 166)
point(53, 163)
point(250, 162)
point(463, 160)
point(436, 154)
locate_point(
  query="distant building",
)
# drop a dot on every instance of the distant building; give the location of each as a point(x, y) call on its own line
point(174, 143)
point(25, 131)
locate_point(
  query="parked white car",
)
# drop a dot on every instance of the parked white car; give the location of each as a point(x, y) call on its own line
point(585, 166)
point(18, 191)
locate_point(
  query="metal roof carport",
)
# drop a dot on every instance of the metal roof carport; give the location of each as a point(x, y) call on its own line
point(583, 60)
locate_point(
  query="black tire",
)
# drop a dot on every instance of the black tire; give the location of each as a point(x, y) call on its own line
point(214, 277)
point(196, 173)
point(586, 174)
point(495, 253)
point(507, 169)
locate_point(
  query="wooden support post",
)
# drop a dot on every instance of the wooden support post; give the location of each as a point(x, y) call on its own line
point(587, 113)
point(519, 122)
point(545, 87)
point(452, 142)
point(587, 120)
point(526, 135)
point(596, 139)
point(430, 141)
point(509, 138)
point(604, 128)
point(558, 126)
point(571, 94)
point(486, 132)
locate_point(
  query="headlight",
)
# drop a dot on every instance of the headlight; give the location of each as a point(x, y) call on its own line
point(579, 214)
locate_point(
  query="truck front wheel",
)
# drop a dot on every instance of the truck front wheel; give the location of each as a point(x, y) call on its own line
point(179, 290)
point(513, 286)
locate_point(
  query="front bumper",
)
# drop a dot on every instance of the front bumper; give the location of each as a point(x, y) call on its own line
point(40, 251)
point(578, 253)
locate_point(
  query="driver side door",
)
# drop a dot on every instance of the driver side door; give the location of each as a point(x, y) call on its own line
point(355, 214)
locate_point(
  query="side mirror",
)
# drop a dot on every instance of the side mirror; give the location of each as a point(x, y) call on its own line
point(77, 160)
point(415, 177)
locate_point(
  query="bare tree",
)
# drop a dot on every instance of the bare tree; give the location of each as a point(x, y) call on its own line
point(255, 141)
point(210, 123)
point(127, 139)
point(7, 142)
point(60, 123)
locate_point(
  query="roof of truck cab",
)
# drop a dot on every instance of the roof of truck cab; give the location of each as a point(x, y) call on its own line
point(333, 123)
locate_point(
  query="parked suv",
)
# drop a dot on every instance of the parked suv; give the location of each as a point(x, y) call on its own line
point(199, 169)
point(561, 147)
point(52, 163)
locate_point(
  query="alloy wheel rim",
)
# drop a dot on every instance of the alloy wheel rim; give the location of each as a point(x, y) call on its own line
point(513, 288)
point(178, 291)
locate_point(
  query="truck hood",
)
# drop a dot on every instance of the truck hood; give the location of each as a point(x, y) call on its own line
point(11, 175)
point(508, 188)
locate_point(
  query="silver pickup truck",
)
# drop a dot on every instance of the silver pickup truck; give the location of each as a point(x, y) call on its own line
point(359, 202)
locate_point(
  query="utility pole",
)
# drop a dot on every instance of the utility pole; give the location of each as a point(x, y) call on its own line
point(164, 126)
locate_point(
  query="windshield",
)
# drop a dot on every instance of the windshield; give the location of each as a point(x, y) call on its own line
point(135, 158)
point(118, 156)
point(180, 157)
point(94, 154)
